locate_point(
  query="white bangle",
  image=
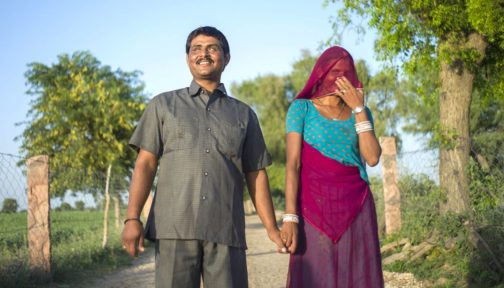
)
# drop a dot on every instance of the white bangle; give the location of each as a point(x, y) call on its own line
point(363, 123)
point(364, 130)
point(363, 126)
point(290, 218)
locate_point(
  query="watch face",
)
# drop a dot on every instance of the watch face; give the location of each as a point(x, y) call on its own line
point(358, 109)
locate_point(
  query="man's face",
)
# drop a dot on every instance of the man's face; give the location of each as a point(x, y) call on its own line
point(206, 59)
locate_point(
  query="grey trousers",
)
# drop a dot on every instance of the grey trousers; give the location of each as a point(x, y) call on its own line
point(184, 263)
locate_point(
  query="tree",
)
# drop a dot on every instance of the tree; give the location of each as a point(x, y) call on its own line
point(10, 205)
point(65, 207)
point(82, 116)
point(458, 37)
point(382, 93)
point(268, 97)
point(80, 205)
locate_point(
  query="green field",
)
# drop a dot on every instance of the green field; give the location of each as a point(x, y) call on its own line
point(76, 239)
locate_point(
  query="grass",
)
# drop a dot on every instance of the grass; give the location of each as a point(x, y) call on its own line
point(76, 239)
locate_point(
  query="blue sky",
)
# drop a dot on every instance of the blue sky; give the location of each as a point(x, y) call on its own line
point(265, 36)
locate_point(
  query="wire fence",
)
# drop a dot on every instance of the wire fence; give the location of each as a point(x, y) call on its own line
point(76, 219)
point(13, 181)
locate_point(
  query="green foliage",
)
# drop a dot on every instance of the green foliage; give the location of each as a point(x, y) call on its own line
point(382, 94)
point(9, 205)
point(267, 96)
point(421, 220)
point(376, 186)
point(82, 115)
point(76, 248)
point(64, 207)
point(458, 253)
point(276, 175)
point(412, 30)
point(300, 73)
point(423, 33)
point(420, 206)
point(80, 205)
point(487, 201)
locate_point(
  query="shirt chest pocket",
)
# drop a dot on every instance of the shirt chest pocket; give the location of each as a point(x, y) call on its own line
point(229, 138)
point(186, 132)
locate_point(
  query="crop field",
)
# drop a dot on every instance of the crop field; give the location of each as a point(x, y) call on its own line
point(76, 239)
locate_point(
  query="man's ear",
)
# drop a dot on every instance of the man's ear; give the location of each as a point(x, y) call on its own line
point(227, 58)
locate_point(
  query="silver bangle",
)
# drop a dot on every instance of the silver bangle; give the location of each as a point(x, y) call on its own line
point(290, 218)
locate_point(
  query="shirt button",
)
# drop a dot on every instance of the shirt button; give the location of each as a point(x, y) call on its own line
point(204, 197)
point(207, 151)
point(209, 129)
point(207, 109)
point(206, 173)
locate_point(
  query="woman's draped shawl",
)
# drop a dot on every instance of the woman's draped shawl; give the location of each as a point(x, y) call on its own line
point(331, 194)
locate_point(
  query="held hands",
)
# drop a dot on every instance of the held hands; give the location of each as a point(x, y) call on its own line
point(132, 237)
point(275, 236)
point(290, 236)
point(353, 97)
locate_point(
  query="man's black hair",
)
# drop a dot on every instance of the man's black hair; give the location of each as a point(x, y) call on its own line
point(208, 31)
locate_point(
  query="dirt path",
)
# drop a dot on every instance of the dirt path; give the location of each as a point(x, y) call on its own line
point(266, 268)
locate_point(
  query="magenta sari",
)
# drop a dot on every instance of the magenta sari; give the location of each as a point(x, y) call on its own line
point(332, 194)
point(338, 234)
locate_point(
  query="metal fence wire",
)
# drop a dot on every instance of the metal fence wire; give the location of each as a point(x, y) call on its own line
point(13, 181)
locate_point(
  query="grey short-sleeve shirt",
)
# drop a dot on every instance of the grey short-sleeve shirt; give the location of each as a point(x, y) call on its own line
point(205, 144)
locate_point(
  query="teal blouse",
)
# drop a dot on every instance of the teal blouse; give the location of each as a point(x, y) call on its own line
point(335, 139)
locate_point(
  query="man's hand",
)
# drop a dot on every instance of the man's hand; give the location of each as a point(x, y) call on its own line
point(132, 237)
point(275, 236)
point(290, 236)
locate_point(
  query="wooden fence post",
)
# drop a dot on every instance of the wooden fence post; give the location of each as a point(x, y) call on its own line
point(391, 193)
point(39, 224)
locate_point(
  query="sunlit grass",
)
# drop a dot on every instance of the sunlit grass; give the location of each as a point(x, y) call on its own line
point(76, 239)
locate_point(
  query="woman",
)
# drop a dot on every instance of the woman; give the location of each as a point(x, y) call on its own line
point(329, 136)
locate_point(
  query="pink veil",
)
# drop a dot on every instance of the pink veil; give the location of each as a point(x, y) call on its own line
point(334, 62)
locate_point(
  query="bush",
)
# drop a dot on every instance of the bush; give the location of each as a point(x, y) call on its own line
point(276, 175)
point(469, 246)
point(65, 206)
point(79, 205)
point(10, 205)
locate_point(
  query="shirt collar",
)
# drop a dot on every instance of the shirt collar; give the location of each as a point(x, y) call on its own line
point(195, 89)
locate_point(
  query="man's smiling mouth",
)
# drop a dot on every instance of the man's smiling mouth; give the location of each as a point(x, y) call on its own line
point(204, 62)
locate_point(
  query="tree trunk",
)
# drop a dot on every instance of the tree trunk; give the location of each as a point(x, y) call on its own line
point(455, 100)
point(106, 208)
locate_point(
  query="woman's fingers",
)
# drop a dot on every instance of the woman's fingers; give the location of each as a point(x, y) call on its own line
point(289, 236)
point(353, 97)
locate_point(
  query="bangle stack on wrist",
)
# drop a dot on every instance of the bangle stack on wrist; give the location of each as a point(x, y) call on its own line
point(363, 126)
point(290, 218)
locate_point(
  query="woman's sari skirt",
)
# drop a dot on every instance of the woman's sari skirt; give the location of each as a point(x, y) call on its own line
point(338, 234)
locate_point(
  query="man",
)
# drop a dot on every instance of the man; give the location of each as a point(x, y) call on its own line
point(206, 143)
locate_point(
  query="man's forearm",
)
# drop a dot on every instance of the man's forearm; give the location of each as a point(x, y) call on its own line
point(258, 186)
point(141, 183)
